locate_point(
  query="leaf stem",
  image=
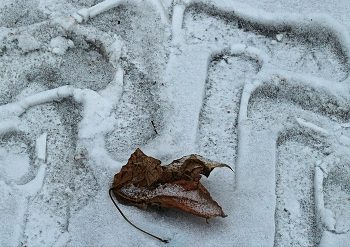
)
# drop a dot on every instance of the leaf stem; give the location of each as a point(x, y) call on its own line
point(110, 195)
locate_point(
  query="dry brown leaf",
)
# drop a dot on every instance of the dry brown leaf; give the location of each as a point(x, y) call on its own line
point(143, 181)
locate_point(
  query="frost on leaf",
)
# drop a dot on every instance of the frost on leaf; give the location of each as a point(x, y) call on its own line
point(144, 181)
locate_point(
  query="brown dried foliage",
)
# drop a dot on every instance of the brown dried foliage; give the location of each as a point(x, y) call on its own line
point(143, 181)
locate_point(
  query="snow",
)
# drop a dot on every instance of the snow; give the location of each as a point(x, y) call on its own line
point(262, 86)
point(28, 43)
point(60, 45)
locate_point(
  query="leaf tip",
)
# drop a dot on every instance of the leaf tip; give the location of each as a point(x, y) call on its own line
point(229, 167)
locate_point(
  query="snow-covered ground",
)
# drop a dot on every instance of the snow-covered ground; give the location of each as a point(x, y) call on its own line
point(261, 85)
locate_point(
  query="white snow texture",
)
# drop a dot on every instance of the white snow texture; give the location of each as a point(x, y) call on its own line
point(261, 85)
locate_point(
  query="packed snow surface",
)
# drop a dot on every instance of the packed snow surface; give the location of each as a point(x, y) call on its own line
point(261, 85)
